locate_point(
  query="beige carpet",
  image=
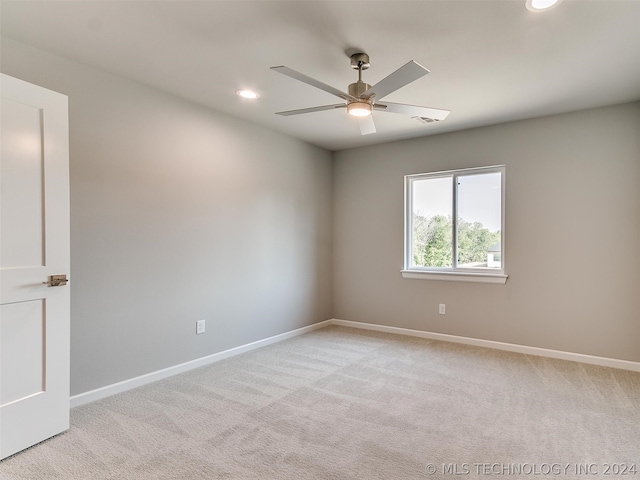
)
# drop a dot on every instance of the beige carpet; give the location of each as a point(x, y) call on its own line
point(340, 403)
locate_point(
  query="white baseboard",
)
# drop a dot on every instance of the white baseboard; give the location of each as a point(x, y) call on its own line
point(107, 391)
point(103, 392)
point(509, 347)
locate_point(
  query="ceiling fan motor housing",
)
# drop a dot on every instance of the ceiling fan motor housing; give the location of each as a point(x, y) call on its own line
point(358, 88)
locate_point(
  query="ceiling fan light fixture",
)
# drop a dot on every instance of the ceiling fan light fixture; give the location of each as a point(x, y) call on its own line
point(359, 109)
point(541, 5)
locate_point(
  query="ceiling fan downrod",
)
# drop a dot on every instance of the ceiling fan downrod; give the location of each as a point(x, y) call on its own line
point(360, 62)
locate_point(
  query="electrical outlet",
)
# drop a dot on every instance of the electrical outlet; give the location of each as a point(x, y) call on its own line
point(441, 309)
point(199, 327)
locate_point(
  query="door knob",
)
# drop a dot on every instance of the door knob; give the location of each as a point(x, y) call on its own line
point(56, 280)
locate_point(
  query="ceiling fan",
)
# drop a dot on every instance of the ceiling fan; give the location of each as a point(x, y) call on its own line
point(363, 98)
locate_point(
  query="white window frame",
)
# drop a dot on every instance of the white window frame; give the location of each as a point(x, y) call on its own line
point(454, 273)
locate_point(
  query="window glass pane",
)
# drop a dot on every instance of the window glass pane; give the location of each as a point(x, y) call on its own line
point(480, 221)
point(432, 222)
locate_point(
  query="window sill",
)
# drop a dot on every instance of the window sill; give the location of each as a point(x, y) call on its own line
point(476, 277)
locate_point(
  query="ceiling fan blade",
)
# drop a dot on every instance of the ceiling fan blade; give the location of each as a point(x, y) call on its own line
point(313, 82)
point(366, 125)
point(403, 76)
point(311, 109)
point(412, 110)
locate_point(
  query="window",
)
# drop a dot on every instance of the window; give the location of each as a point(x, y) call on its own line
point(454, 225)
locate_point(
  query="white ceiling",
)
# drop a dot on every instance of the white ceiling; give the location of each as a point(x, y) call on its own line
point(490, 61)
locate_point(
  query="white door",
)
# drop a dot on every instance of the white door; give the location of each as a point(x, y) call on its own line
point(34, 245)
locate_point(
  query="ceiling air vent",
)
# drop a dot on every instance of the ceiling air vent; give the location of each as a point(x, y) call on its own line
point(426, 119)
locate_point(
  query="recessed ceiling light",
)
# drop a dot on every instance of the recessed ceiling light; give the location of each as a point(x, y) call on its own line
point(541, 5)
point(247, 93)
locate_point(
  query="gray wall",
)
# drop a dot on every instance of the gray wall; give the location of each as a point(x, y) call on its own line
point(572, 234)
point(179, 213)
